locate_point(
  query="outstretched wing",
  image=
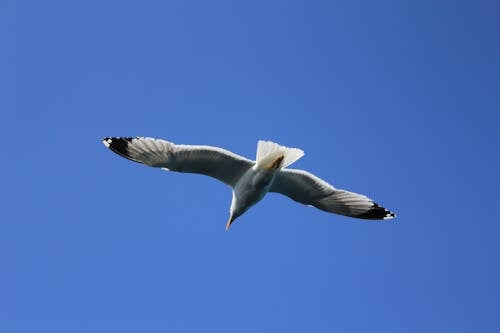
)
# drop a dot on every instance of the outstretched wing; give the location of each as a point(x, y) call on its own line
point(211, 161)
point(308, 189)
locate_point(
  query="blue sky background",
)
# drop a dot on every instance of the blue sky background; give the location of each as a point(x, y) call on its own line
point(399, 100)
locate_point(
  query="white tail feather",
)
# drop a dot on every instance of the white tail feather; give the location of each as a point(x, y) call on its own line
point(268, 152)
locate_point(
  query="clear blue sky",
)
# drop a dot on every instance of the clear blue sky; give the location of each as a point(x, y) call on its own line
point(399, 100)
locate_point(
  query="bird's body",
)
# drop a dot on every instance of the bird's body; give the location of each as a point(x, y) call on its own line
point(249, 190)
point(250, 180)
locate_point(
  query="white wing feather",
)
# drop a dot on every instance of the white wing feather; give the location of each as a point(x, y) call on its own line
point(211, 161)
point(308, 189)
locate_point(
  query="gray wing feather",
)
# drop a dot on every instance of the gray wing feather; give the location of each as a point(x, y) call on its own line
point(211, 161)
point(308, 189)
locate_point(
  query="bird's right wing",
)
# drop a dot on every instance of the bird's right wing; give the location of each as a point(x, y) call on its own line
point(211, 161)
point(308, 189)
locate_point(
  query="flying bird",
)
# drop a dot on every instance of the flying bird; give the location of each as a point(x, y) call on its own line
point(249, 180)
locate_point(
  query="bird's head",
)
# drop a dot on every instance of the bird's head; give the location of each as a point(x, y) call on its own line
point(232, 217)
point(238, 207)
point(235, 211)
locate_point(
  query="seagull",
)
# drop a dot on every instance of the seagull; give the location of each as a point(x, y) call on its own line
point(249, 180)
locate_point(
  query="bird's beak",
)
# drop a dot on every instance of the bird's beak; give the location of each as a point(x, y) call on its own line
point(228, 224)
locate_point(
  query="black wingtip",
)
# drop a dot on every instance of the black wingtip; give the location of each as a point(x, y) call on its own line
point(377, 213)
point(118, 145)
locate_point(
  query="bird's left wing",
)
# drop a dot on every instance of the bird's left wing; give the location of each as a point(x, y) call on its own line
point(308, 189)
point(211, 161)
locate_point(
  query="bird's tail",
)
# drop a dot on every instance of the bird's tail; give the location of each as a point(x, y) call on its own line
point(271, 155)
